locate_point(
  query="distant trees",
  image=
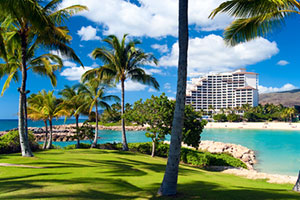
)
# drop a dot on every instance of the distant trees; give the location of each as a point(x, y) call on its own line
point(267, 112)
point(122, 61)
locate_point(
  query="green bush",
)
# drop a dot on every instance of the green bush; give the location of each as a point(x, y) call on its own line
point(188, 156)
point(10, 142)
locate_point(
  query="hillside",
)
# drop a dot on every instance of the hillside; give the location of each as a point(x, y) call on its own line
point(286, 98)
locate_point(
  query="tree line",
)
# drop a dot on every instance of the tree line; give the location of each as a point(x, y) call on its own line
point(260, 113)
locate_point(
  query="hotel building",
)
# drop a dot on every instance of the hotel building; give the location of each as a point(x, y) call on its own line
point(224, 90)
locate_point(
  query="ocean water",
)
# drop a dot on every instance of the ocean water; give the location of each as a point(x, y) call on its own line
point(277, 151)
point(7, 124)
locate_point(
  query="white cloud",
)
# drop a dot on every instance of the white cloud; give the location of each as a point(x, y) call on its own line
point(72, 72)
point(210, 54)
point(152, 90)
point(88, 33)
point(167, 86)
point(172, 98)
point(286, 87)
point(160, 48)
point(154, 18)
point(283, 62)
point(132, 86)
point(152, 71)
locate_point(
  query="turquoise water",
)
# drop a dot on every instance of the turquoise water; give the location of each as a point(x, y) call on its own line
point(277, 151)
point(7, 124)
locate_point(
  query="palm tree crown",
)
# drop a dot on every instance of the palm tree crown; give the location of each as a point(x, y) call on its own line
point(122, 61)
point(254, 18)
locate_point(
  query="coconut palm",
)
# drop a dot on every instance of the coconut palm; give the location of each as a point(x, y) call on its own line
point(94, 95)
point(26, 24)
point(73, 101)
point(169, 184)
point(36, 112)
point(122, 61)
point(49, 106)
point(254, 18)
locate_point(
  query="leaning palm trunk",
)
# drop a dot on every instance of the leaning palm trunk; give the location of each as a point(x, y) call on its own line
point(46, 136)
point(49, 145)
point(169, 184)
point(23, 131)
point(94, 145)
point(124, 140)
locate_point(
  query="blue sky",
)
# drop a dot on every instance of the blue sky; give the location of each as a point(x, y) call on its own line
point(154, 22)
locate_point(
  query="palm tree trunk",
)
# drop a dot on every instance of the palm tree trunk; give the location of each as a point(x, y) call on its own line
point(23, 130)
point(124, 140)
point(49, 145)
point(77, 132)
point(153, 148)
point(169, 184)
point(94, 145)
point(46, 136)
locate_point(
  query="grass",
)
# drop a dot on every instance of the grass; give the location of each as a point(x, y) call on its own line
point(104, 174)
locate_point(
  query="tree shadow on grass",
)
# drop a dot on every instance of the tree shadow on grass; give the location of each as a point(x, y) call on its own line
point(15, 183)
point(212, 191)
point(92, 188)
point(55, 164)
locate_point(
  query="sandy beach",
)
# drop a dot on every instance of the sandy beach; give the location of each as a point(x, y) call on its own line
point(255, 125)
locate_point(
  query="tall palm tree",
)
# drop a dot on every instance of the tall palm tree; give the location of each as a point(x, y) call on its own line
point(122, 61)
point(28, 24)
point(254, 18)
point(73, 101)
point(93, 92)
point(169, 184)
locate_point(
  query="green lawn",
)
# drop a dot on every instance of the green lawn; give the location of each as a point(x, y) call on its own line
point(104, 174)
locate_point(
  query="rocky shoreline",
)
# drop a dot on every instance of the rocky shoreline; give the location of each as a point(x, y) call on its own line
point(64, 133)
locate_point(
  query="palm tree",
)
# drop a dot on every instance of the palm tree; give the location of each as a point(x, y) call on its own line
point(49, 106)
point(26, 23)
point(73, 101)
point(93, 92)
point(254, 18)
point(36, 112)
point(122, 62)
point(169, 184)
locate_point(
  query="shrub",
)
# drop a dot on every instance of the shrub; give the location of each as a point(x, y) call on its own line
point(10, 142)
point(188, 156)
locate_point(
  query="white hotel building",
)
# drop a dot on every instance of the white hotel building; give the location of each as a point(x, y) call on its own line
point(224, 90)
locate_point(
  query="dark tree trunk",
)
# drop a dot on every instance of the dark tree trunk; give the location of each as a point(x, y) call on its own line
point(124, 140)
point(23, 130)
point(49, 145)
point(94, 145)
point(77, 132)
point(46, 136)
point(297, 185)
point(169, 184)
